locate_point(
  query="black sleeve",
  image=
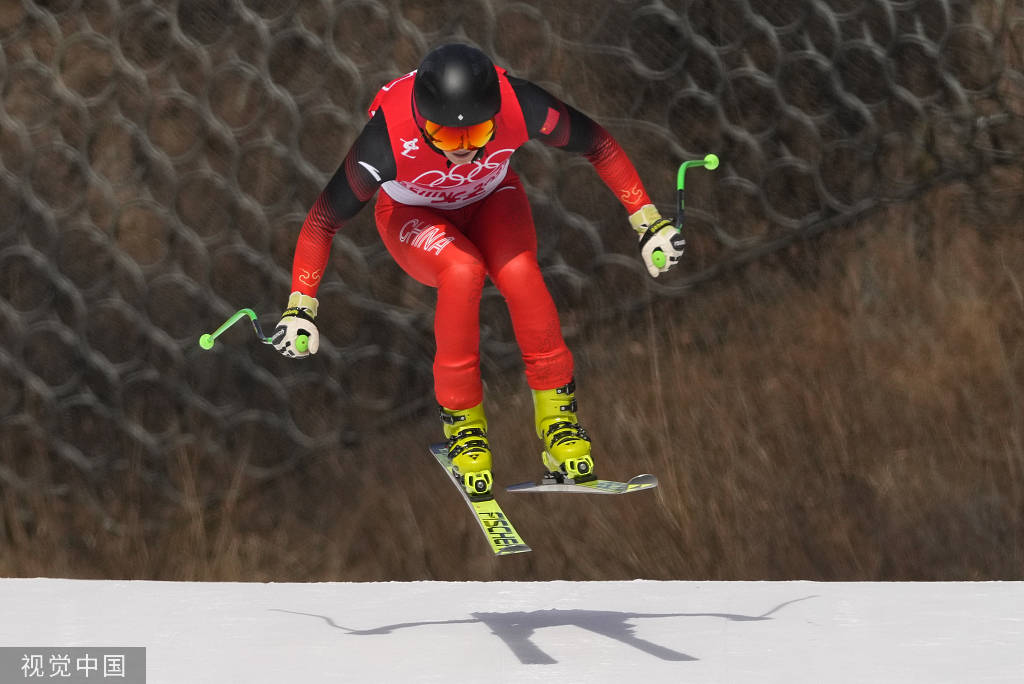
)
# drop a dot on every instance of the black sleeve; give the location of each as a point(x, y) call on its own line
point(369, 163)
point(552, 121)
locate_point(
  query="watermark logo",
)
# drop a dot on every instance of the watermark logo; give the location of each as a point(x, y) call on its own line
point(77, 665)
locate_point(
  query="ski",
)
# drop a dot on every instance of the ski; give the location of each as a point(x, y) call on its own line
point(552, 483)
point(496, 526)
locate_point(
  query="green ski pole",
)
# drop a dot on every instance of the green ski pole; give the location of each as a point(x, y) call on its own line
point(206, 341)
point(710, 162)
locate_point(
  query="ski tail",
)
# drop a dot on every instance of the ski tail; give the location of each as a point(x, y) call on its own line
point(497, 528)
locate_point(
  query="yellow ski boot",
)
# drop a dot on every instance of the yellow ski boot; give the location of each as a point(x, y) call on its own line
point(566, 444)
point(466, 430)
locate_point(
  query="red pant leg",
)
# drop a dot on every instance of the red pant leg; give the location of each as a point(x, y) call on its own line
point(428, 246)
point(502, 229)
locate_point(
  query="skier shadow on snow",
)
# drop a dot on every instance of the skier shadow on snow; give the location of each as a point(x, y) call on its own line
point(516, 629)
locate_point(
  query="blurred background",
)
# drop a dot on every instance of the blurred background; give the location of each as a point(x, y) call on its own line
point(830, 386)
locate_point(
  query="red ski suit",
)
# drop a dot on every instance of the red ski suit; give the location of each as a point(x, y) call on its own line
point(448, 226)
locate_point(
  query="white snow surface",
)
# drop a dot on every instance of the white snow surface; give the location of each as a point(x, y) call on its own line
point(640, 631)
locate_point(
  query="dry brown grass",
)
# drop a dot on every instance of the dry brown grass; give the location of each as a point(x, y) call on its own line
point(849, 410)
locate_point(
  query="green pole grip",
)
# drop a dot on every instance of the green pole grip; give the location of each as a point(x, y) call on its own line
point(206, 341)
point(710, 162)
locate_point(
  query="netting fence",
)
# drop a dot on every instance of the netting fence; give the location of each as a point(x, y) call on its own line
point(157, 160)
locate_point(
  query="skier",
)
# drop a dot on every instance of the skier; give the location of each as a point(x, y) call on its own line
point(451, 211)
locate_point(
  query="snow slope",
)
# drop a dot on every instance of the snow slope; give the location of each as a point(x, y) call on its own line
point(526, 632)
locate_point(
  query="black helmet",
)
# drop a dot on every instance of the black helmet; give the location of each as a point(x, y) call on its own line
point(456, 85)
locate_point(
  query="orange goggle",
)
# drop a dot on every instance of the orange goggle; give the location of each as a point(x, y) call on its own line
point(451, 138)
